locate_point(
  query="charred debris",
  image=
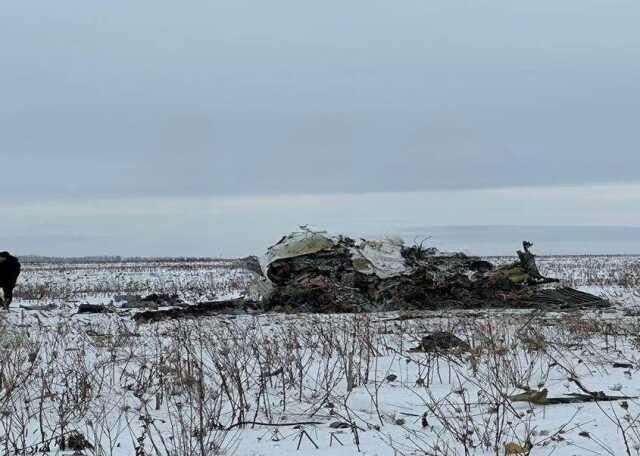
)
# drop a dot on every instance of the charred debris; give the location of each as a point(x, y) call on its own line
point(312, 271)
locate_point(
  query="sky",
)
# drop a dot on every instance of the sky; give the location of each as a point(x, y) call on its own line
point(142, 126)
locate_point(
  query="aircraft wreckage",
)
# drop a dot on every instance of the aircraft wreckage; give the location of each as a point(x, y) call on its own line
point(313, 271)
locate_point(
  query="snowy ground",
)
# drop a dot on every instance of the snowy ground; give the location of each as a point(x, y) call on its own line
point(183, 388)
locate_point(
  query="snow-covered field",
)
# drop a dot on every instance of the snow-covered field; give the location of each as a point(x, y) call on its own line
point(310, 384)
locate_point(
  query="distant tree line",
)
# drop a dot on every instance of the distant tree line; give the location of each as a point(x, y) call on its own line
point(39, 259)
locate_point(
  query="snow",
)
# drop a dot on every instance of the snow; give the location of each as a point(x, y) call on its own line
point(120, 384)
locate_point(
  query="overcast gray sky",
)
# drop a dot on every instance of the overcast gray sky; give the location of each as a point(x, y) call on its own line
point(233, 96)
point(223, 98)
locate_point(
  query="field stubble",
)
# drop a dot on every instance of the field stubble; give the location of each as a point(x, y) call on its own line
point(257, 385)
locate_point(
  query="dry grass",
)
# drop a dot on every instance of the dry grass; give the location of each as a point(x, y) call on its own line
point(195, 387)
point(188, 387)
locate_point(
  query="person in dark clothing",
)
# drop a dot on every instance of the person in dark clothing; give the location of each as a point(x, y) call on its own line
point(9, 272)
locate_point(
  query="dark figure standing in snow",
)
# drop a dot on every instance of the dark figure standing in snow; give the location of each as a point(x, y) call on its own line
point(9, 272)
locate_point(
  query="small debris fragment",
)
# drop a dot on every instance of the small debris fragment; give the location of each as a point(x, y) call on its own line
point(94, 308)
point(513, 448)
point(339, 425)
point(441, 341)
point(77, 442)
point(534, 397)
point(43, 307)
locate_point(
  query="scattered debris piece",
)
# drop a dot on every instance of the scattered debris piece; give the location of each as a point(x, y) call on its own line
point(232, 306)
point(94, 308)
point(43, 307)
point(75, 441)
point(441, 341)
point(339, 425)
point(512, 448)
point(250, 263)
point(562, 299)
point(154, 300)
point(161, 299)
point(540, 397)
point(533, 397)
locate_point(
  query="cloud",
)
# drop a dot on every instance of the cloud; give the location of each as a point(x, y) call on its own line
point(238, 98)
